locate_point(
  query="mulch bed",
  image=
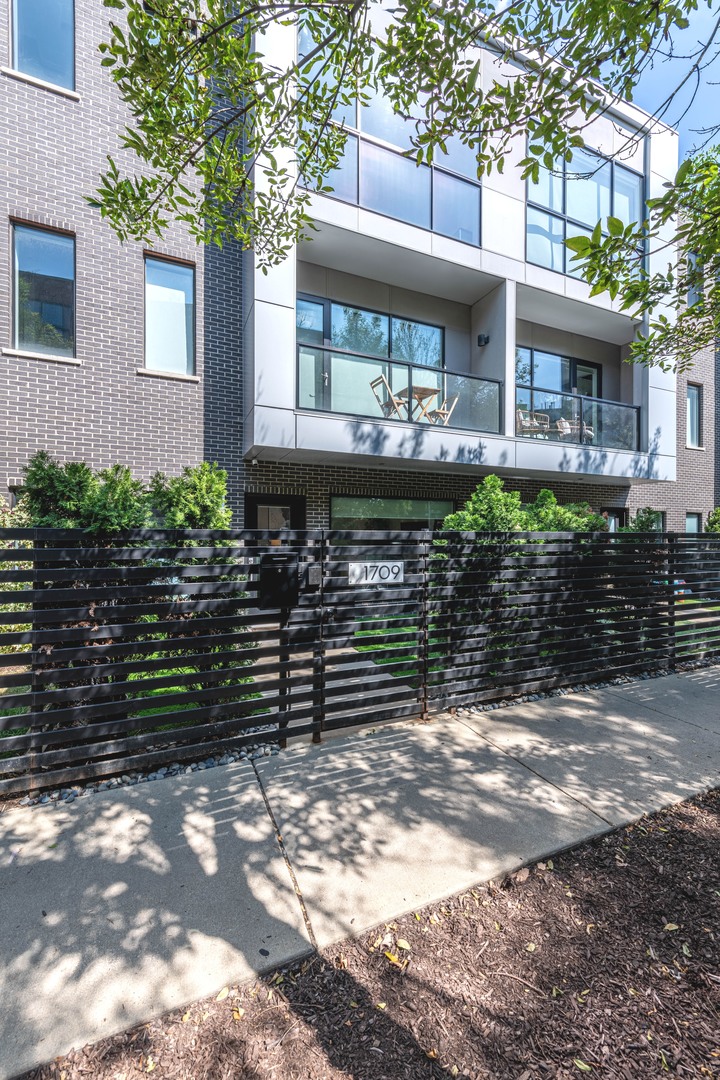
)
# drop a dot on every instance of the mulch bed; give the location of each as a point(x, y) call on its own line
point(605, 962)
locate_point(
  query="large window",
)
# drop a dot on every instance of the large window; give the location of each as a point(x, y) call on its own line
point(570, 200)
point(43, 291)
point(44, 40)
point(444, 197)
point(694, 415)
point(377, 512)
point(369, 333)
point(535, 368)
point(169, 316)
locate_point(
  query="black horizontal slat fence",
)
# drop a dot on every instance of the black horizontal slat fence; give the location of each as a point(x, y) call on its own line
point(167, 646)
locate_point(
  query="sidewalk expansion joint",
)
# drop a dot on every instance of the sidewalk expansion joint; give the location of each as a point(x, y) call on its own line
point(524, 764)
point(286, 857)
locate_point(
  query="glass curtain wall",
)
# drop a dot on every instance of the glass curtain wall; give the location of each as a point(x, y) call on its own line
point(375, 174)
point(569, 201)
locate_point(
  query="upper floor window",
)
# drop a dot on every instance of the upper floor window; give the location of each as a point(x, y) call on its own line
point(369, 333)
point(444, 197)
point(44, 40)
point(169, 316)
point(694, 415)
point(43, 291)
point(570, 200)
point(550, 371)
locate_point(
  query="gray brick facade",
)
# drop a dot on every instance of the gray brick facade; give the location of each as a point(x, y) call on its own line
point(99, 409)
point(319, 483)
point(697, 489)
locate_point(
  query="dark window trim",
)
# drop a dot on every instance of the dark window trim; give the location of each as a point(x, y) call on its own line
point(563, 215)
point(190, 266)
point(360, 137)
point(14, 330)
point(327, 303)
point(574, 360)
point(384, 495)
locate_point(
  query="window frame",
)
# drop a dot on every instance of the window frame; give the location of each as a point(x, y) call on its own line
point(169, 372)
point(399, 498)
point(16, 223)
point(14, 22)
point(699, 405)
point(579, 226)
point(699, 519)
point(355, 131)
point(573, 361)
point(327, 344)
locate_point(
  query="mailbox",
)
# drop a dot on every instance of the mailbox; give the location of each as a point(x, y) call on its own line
point(278, 580)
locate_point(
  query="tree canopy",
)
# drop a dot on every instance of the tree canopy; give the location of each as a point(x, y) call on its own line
point(222, 126)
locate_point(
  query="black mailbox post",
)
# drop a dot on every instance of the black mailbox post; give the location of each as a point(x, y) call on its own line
point(278, 580)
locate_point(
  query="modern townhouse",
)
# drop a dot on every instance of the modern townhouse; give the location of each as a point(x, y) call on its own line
point(431, 330)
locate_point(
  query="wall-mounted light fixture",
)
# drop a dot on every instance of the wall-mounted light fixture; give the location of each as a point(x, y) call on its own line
point(483, 339)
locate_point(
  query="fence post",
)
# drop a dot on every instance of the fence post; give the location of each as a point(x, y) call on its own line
point(34, 663)
point(319, 649)
point(424, 629)
point(671, 568)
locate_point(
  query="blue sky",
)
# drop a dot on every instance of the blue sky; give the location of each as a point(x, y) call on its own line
point(655, 85)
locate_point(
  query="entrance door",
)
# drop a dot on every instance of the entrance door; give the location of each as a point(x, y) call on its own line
point(587, 379)
point(275, 512)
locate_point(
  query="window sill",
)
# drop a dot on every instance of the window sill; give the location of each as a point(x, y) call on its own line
point(688, 446)
point(174, 375)
point(22, 355)
point(21, 76)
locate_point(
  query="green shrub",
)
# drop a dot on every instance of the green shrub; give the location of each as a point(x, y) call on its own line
point(72, 496)
point(16, 517)
point(54, 493)
point(646, 520)
point(489, 509)
point(492, 509)
point(114, 502)
point(712, 525)
point(546, 515)
point(193, 500)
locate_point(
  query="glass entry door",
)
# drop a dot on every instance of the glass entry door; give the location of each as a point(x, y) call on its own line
point(587, 378)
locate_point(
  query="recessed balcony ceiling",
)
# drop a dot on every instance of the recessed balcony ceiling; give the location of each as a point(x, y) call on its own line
point(575, 316)
point(394, 264)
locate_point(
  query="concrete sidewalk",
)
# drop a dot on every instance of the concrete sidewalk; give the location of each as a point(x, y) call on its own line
point(137, 900)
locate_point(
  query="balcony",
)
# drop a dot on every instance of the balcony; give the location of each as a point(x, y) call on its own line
point(376, 388)
point(574, 418)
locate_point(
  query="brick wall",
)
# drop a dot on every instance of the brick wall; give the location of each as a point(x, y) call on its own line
point(697, 489)
point(319, 482)
point(54, 148)
point(223, 405)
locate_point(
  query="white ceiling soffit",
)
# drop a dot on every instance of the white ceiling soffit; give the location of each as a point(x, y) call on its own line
point(564, 313)
point(379, 260)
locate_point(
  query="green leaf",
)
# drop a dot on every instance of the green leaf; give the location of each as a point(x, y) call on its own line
point(578, 244)
point(582, 1065)
point(615, 226)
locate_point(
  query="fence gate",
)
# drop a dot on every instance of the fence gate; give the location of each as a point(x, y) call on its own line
point(374, 632)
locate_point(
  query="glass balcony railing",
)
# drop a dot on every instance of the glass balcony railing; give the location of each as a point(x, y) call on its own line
point(574, 418)
point(334, 381)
